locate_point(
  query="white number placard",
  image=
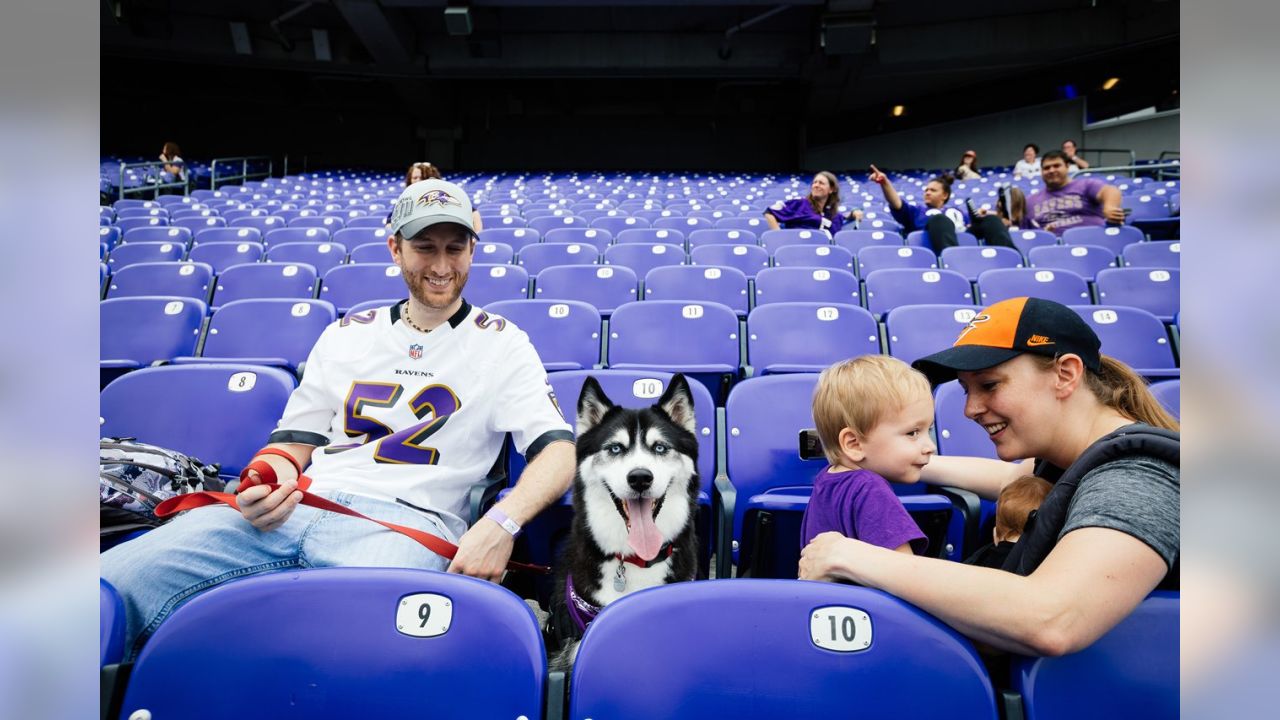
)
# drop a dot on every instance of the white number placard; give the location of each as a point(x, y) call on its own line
point(1105, 317)
point(1044, 276)
point(173, 308)
point(289, 270)
point(711, 273)
point(828, 313)
point(988, 252)
point(300, 309)
point(931, 276)
point(904, 252)
point(1159, 276)
point(692, 312)
point(242, 381)
point(821, 275)
point(964, 316)
point(559, 310)
point(658, 249)
point(647, 388)
point(424, 615)
point(840, 629)
point(1079, 251)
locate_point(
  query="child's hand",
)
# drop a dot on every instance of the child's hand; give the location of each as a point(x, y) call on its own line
point(878, 177)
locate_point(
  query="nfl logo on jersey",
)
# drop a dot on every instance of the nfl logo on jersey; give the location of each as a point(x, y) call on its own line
point(415, 351)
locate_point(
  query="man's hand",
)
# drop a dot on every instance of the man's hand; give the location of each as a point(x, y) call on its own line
point(265, 508)
point(1114, 214)
point(878, 177)
point(483, 551)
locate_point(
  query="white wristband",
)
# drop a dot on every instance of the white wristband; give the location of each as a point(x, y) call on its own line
point(507, 523)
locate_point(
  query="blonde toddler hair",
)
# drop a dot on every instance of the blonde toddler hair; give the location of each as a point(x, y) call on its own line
point(858, 393)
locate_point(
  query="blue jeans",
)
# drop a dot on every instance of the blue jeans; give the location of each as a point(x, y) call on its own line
point(206, 547)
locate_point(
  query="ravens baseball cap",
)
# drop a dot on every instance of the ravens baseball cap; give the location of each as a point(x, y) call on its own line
point(428, 203)
point(1010, 328)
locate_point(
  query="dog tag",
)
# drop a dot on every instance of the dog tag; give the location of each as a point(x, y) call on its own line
point(620, 579)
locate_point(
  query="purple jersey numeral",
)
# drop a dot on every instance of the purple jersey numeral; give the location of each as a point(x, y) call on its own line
point(434, 404)
point(369, 394)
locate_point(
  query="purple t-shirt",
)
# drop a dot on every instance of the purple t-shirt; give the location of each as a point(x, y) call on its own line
point(799, 213)
point(859, 504)
point(1073, 205)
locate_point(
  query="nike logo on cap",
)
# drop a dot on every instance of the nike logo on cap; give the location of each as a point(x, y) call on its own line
point(1038, 340)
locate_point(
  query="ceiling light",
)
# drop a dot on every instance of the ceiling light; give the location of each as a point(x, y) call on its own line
point(898, 110)
point(1110, 83)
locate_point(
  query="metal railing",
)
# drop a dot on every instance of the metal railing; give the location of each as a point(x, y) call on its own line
point(1133, 156)
point(1161, 169)
point(153, 187)
point(244, 173)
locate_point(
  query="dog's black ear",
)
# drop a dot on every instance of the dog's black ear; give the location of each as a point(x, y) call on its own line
point(592, 405)
point(677, 402)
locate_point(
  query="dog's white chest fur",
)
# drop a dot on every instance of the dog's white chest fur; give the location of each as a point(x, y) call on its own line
point(634, 578)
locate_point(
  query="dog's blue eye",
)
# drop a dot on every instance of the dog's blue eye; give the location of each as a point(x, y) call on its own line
point(660, 448)
point(613, 448)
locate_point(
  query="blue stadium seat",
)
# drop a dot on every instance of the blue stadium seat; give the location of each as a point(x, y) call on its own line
point(1169, 393)
point(749, 259)
point(318, 222)
point(601, 239)
point(1111, 237)
point(1130, 672)
point(788, 337)
point(855, 240)
point(110, 624)
point(175, 406)
point(183, 279)
point(881, 257)
point(271, 238)
point(772, 240)
point(721, 236)
point(1025, 240)
point(650, 235)
point(604, 288)
point(547, 223)
point(369, 221)
point(196, 224)
point(1165, 254)
point(617, 223)
point(756, 224)
point(806, 284)
point(674, 336)
point(536, 258)
point(723, 285)
point(1061, 286)
point(740, 649)
point(224, 234)
point(685, 225)
point(643, 258)
point(374, 252)
point(517, 238)
point(222, 255)
point(915, 331)
point(490, 283)
point(133, 253)
point(272, 331)
point(323, 256)
point(157, 233)
point(494, 253)
point(957, 434)
point(972, 261)
point(356, 236)
point(128, 224)
point(831, 257)
point(1155, 290)
point(920, 238)
point(566, 333)
point(1133, 336)
point(109, 235)
point(265, 280)
point(263, 223)
point(413, 643)
point(346, 285)
point(172, 328)
point(1083, 260)
point(895, 287)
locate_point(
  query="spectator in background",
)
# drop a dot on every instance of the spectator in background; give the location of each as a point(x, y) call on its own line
point(820, 210)
point(420, 171)
point(175, 168)
point(1066, 203)
point(968, 167)
point(1029, 165)
point(994, 229)
point(1075, 163)
point(934, 217)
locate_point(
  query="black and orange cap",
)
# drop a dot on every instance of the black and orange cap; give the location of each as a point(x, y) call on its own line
point(1009, 328)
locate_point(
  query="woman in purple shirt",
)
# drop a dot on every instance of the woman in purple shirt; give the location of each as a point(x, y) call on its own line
point(819, 211)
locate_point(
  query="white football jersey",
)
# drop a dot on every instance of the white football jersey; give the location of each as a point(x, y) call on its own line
point(419, 417)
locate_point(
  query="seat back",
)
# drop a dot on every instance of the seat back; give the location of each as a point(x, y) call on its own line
point(605, 288)
point(806, 284)
point(855, 240)
point(566, 333)
point(895, 287)
point(110, 624)
point(132, 253)
point(749, 259)
point(265, 280)
point(357, 642)
point(159, 233)
point(751, 649)
point(957, 434)
point(650, 235)
point(323, 256)
point(772, 240)
point(674, 335)
point(280, 235)
point(217, 413)
point(346, 285)
point(1169, 393)
point(715, 284)
point(267, 328)
point(222, 255)
point(722, 236)
point(183, 279)
point(1111, 237)
point(1131, 335)
point(1155, 290)
point(536, 258)
point(881, 257)
point(1061, 286)
point(972, 261)
point(1025, 240)
point(832, 257)
point(516, 237)
point(491, 283)
point(172, 328)
point(642, 258)
point(1165, 254)
point(915, 331)
point(808, 336)
point(1083, 260)
point(596, 237)
point(1130, 672)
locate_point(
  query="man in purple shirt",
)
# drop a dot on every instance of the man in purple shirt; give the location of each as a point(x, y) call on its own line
point(1067, 203)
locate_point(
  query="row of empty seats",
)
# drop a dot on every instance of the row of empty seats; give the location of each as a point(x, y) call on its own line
point(420, 643)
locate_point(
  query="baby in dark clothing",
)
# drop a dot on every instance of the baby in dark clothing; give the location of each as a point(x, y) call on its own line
point(1018, 501)
point(873, 415)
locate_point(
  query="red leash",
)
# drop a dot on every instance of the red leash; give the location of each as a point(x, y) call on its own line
point(267, 475)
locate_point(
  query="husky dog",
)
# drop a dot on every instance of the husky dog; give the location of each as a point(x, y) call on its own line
point(635, 500)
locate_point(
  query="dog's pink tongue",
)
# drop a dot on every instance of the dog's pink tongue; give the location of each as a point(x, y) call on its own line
point(643, 537)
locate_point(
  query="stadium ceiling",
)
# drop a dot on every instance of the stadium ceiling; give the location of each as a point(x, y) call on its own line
point(834, 59)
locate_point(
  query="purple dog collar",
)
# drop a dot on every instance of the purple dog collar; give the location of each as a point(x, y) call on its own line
point(580, 610)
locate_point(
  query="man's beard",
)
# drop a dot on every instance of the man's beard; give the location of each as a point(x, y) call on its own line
point(418, 290)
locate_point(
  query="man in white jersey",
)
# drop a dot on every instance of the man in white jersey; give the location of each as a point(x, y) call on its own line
point(400, 411)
